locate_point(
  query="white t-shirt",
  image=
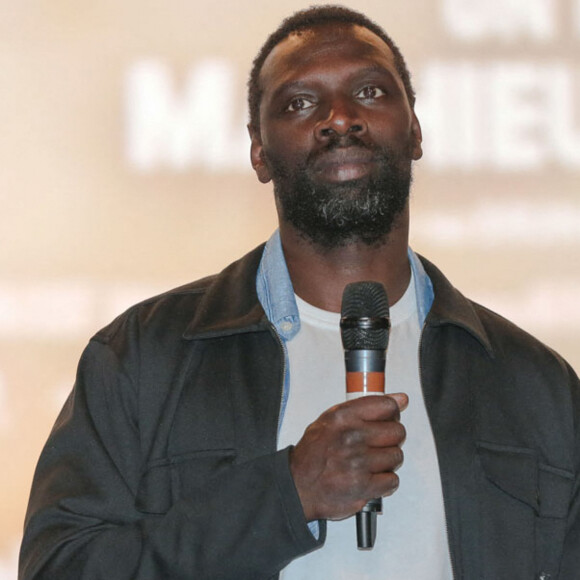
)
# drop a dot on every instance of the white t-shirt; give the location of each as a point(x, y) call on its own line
point(411, 539)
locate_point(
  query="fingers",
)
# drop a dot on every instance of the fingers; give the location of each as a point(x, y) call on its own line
point(380, 461)
point(373, 461)
point(349, 455)
point(401, 398)
point(374, 472)
point(383, 485)
point(373, 407)
point(374, 434)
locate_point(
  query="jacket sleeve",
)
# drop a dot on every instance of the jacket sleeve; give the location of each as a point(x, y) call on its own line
point(570, 567)
point(84, 520)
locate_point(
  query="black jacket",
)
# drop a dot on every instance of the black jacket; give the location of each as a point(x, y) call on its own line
point(163, 462)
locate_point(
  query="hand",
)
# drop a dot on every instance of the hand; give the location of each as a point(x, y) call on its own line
point(349, 455)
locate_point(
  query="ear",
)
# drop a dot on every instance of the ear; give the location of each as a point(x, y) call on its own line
point(257, 155)
point(417, 151)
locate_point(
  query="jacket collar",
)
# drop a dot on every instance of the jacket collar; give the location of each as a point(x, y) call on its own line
point(451, 307)
point(230, 303)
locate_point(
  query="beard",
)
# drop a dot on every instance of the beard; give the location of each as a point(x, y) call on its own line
point(332, 215)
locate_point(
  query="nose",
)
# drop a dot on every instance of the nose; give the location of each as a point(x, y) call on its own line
point(343, 118)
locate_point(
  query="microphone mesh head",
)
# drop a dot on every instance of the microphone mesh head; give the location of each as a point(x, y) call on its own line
point(365, 320)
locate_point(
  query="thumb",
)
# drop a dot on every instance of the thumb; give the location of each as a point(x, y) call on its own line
point(401, 399)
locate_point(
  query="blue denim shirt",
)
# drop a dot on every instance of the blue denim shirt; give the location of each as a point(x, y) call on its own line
point(276, 295)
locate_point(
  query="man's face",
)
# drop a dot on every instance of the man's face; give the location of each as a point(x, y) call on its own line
point(337, 134)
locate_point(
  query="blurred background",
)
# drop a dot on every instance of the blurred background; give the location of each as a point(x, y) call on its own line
point(125, 172)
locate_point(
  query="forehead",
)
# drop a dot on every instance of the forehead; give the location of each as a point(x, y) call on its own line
point(324, 45)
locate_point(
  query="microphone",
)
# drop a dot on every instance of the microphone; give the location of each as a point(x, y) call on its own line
point(364, 328)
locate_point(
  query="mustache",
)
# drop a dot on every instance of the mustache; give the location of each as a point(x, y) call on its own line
point(342, 142)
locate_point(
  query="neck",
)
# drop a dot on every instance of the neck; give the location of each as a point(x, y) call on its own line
point(319, 275)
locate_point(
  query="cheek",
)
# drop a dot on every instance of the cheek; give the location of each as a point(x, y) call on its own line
point(399, 141)
point(395, 122)
point(288, 136)
point(287, 148)
point(396, 132)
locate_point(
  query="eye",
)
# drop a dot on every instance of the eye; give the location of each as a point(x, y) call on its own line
point(369, 93)
point(299, 104)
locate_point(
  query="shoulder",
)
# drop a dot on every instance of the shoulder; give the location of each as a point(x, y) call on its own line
point(510, 346)
point(520, 350)
point(169, 310)
point(174, 313)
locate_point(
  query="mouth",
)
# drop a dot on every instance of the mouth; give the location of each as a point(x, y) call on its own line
point(344, 164)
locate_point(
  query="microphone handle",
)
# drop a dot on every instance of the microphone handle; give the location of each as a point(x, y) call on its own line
point(366, 523)
point(365, 375)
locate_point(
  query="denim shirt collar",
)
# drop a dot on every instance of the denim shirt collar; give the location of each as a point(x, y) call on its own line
point(276, 293)
point(275, 290)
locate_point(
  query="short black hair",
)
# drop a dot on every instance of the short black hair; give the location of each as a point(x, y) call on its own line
point(310, 18)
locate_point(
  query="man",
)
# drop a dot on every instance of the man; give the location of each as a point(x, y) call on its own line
point(182, 451)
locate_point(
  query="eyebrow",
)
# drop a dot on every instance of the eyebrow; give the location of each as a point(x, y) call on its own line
point(300, 83)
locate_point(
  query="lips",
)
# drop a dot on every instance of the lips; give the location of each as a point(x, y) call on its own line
point(343, 163)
